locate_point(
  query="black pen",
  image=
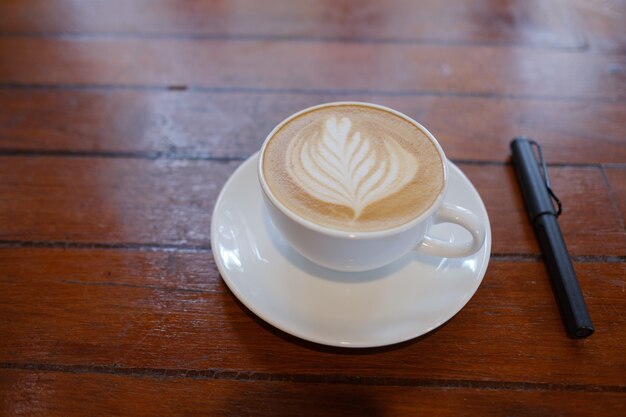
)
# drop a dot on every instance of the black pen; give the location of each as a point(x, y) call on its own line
point(538, 197)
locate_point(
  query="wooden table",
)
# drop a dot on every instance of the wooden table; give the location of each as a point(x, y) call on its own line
point(121, 120)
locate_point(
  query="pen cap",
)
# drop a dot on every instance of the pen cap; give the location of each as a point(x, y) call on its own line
point(531, 182)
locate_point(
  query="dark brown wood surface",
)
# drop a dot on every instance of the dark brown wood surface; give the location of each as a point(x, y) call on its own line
point(151, 394)
point(283, 65)
point(150, 310)
point(120, 121)
point(117, 200)
point(543, 22)
point(203, 125)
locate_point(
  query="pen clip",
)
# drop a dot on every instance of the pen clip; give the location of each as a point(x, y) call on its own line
point(546, 177)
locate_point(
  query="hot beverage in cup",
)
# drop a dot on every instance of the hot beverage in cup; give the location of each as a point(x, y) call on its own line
point(353, 167)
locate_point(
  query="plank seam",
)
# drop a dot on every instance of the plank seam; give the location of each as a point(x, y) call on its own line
point(184, 248)
point(147, 155)
point(141, 247)
point(234, 375)
point(15, 85)
point(203, 156)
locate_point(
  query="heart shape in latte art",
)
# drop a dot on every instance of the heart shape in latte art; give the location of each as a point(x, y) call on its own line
point(341, 167)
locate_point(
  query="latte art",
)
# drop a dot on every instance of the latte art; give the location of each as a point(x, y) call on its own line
point(352, 167)
point(341, 166)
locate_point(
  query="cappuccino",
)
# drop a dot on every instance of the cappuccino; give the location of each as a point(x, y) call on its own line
point(353, 167)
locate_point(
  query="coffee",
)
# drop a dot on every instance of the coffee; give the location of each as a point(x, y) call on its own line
point(353, 167)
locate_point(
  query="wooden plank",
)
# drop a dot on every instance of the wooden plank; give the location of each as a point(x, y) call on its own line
point(233, 125)
point(540, 23)
point(55, 310)
point(61, 394)
point(165, 202)
point(304, 66)
point(108, 200)
point(181, 271)
point(617, 181)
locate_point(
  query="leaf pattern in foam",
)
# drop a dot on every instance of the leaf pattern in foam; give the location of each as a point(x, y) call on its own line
point(349, 170)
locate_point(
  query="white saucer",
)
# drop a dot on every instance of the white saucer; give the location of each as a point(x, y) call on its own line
point(399, 302)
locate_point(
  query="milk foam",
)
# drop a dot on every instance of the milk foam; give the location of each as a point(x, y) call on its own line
point(341, 166)
point(353, 167)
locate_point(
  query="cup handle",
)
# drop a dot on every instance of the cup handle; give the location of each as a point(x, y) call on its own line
point(450, 213)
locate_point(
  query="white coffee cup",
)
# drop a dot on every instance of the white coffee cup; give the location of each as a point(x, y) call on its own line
point(362, 251)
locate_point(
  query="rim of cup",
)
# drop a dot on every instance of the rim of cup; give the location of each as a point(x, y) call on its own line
point(345, 233)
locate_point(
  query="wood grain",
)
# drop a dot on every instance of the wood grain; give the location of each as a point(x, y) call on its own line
point(164, 202)
point(110, 200)
point(58, 394)
point(283, 65)
point(121, 120)
point(233, 125)
point(617, 182)
point(537, 23)
point(117, 309)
